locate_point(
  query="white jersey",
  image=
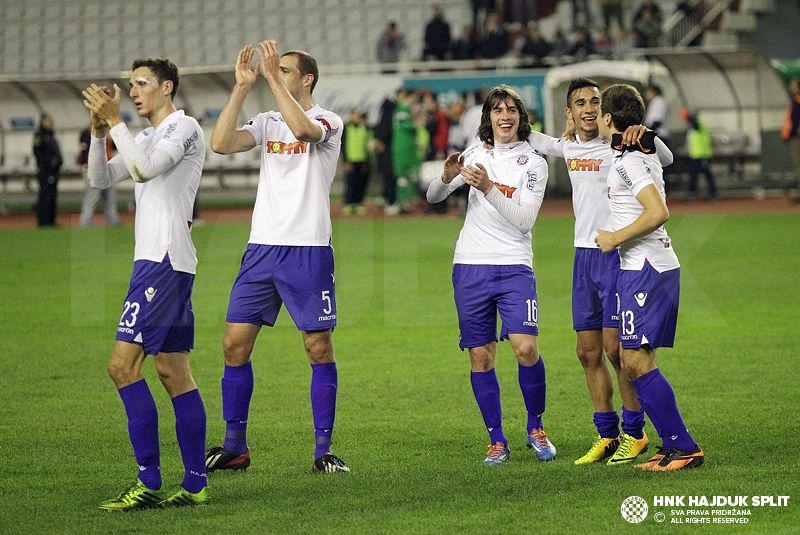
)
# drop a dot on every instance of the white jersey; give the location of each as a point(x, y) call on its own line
point(164, 204)
point(588, 163)
point(631, 173)
point(293, 205)
point(657, 114)
point(487, 237)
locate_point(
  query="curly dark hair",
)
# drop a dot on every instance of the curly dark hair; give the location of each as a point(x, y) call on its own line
point(502, 93)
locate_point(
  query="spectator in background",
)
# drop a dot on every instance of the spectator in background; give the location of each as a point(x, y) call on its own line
point(535, 48)
point(405, 157)
point(494, 41)
point(701, 150)
point(533, 119)
point(791, 128)
point(438, 127)
point(583, 45)
point(622, 45)
point(48, 163)
point(437, 37)
point(648, 29)
point(581, 15)
point(355, 153)
point(612, 10)
point(464, 47)
point(390, 45)
point(603, 43)
point(561, 46)
point(648, 6)
point(657, 112)
point(91, 195)
point(383, 149)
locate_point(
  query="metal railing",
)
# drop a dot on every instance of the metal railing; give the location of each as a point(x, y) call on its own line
point(687, 24)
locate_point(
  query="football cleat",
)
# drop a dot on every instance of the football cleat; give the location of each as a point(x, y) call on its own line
point(657, 458)
point(138, 496)
point(329, 463)
point(537, 439)
point(602, 449)
point(218, 458)
point(678, 459)
point(499, 453)
point(629, 449)
point(183, 498)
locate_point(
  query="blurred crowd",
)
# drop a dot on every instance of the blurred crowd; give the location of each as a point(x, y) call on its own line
point(406, 146)
point(509, 29)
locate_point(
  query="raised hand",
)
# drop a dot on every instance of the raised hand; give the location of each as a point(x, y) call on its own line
point(103, 107)
point(452, 167)
point(244, 75)
point(270, 58)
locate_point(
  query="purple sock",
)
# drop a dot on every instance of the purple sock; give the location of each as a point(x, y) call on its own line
point(237, 389)
point(607, 424)
point(534, 390)
point(324, 382)
point(658, 400)
point(190, 426)
point(633, 422)
point(143, 430)
point(487, 394)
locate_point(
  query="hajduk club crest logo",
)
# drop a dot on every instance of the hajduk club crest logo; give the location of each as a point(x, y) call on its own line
point(634, 509)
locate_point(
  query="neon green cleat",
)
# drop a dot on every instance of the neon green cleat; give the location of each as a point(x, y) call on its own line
point(138, 496)
point(183, 497)
point(602, 449)
point(629, 449)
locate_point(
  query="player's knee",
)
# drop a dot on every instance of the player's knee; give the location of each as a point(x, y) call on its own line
point(590, 356)
point(120, 373)
point(235, 350)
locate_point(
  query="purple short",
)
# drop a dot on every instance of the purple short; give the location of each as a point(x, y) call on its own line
point(157, 314)
point(481, 291)
point(648, 307)
point(594, 290)
point(298, 276)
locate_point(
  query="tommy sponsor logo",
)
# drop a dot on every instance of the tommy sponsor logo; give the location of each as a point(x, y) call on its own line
point(279, 147)
point(641, 297)
point(508, 191)
point(582, 164)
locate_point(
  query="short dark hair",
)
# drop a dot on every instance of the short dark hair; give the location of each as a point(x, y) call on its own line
point(654, 88)
point(306, 64)
point(625, 105)
point(579, 83)
point(163, 69)
point(499, 94)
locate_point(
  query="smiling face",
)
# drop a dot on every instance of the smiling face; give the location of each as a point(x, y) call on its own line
point(584, 110)
point(148, 95)
point(505, 121)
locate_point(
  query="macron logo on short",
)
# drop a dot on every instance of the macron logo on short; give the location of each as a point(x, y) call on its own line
point(150, 293)
point(640, 298)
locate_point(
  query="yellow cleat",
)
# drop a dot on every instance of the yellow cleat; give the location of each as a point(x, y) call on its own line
point(629, 449)
point(602, 449)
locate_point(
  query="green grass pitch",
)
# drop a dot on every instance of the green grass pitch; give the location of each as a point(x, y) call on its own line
point(407, 423)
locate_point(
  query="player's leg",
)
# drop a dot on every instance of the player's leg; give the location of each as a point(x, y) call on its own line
point(237, 390)
point(124, 369)
point(633, 440)
point(474, 292)
point(175, 374)
point(648, 315)
point(254, 301)
point(486, 389)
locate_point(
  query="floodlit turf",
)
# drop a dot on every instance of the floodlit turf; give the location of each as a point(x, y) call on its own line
point(407, 424)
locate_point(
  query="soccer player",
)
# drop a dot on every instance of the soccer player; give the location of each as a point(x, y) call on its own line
point(166, 161)
point(649, 279)
point(492, 265)
point(595, 318)
point(289, 258)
